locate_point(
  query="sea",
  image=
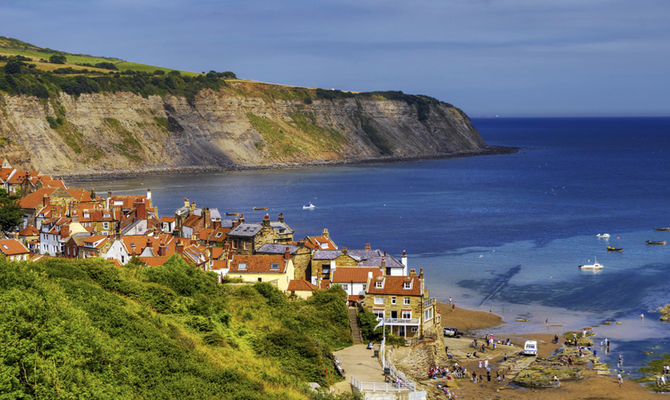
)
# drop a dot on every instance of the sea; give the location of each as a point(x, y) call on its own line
point(500, 233)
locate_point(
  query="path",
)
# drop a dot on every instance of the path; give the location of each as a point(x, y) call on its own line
point(359, 362)
point(355, 327)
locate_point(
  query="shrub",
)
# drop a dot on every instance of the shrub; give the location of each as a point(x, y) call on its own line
point(57, 59)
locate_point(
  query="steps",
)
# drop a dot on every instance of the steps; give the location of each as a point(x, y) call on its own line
point(355, 327)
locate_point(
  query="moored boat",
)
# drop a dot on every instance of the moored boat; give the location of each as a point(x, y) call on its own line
point(664, 229)
point(596, 266)
point(230, 214)
point(603, 236)
point(610, 248)
point(656, 242)
point(260, 208)
point(309, 206)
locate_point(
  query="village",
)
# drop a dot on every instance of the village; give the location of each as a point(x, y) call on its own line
point(75, 223)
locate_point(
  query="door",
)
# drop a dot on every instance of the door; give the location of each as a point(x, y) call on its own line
point(394, 314)
point(401, 331)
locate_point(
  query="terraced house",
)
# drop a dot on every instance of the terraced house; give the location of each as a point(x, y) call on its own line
point(404, 304)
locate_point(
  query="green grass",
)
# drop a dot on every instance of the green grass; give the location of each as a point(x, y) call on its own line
point(279, 140)
point(326, 137)
point(87, 329)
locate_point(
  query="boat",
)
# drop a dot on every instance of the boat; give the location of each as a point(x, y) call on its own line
point(596, 266)
point(664, 229)
point(610, 248)
point(603, 236)
point(260, 208)
point(309, 206)
point(656, 242)
point(232, 214)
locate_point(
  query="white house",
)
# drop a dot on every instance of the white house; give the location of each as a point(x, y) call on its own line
point(354, 280)
point(118, 252)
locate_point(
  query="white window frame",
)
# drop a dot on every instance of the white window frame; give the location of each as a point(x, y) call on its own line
point(242, 266)
point(406, 301)
point(406, 314)
point(393, 300)
point(379, 300)
point(379, 284)
point(407, 285)
point(345, 286)
point(274, 267)
point(378, 312)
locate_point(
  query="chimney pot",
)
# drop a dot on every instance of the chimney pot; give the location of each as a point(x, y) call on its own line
point(325, 233)
point(280, 217)
point(287, 254)
point(367, 246)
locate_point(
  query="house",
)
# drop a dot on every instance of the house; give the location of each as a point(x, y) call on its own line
point(275, 269)
point(300, 288)
point(323, 242)
point(94, 246)
point(30, 236)
point(325, 261)
point(404, 304)
point(246, 238)
point(354, 281)
point(167, 224)
point(300, 255)
point(369, 257)
point(14, 250)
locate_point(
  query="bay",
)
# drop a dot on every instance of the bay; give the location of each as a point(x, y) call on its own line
point(503, 233)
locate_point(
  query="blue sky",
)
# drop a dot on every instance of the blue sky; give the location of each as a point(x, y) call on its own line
point(506, 57)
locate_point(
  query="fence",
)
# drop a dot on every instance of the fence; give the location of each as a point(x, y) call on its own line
point(407, 383)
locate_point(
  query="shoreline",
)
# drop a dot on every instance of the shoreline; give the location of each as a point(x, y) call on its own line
point(594, 385)
point(193, 169)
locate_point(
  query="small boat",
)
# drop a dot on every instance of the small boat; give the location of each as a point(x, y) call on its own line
point(610, 248)
point(603, 236)
point(596, 266)
point(232, 214)
point(260, 208)
point(664, 229)
point(656, 242)
point(309, 206)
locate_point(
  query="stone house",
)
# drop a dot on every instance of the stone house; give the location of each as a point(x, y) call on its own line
point(300, 288)
point(14, 250)
point(275, 269)
point(354, 281)
point(404, 304)
point(300, 255)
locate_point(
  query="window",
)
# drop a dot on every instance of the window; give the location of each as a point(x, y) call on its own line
point(324, 246)
point(274, 267)
point(218, 234)
point(393, 300)
point(246, 245)
point(407, 285)
point(242, 266)
point(379, 300)
point(379, 313)
point(405, 301)
point(105, 225)
point(414, 329)
point(428, 314)
point(345, 286)
point(365, 286)
point(260, 279)
point(379, 284)
point(406, 315)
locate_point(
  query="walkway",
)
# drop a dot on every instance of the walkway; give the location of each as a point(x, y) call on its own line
point(359, 362)
point(355, 327)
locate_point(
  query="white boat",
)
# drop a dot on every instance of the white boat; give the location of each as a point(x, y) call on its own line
point(596, 266)
point(603, 236)
point(309, 206)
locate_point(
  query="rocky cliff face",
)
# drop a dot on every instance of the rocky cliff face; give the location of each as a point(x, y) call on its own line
point(242, 125)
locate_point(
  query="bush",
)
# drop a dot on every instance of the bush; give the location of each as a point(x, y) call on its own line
point(57, 59)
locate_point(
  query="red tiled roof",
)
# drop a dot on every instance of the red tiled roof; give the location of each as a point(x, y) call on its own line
point(29, 231)
point(35, 199)
point(191, 221)
point(11, 247)
point(395, 285)
point(5, 172)
point(217, 252)
point(320, 243)
point(154, 261)
point(90, 241)
point(300, 284)
point(354, 274)
point(219, 264)
point(167, 219)
point(258, 264)
point(325, 284)
point(47, 181)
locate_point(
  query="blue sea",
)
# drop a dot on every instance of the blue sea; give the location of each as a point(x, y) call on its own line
point(503, 233)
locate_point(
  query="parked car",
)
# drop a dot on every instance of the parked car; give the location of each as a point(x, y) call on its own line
point(452, 332)
point(530, 348)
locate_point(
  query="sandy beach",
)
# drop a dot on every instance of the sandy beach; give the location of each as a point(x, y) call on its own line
point(420, 358)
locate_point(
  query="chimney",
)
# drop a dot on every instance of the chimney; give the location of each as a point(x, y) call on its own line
point(266, 220)
point(186, 203)
point(403, 260)
point(421, 273)
point(162, 250)
point(149, 203)
point(64, 231)
point(216, 224)
point(141, 209)
point(93, 194)
point(345, 251)
point(412, 272)
point(207, 216)
point(384, 262)
point(148, 243)
point(287, 254)
point(367, 246)
point(325, 233)
point(241, 218)
point(180, 247)
point(45, 200)
point(280, 217)
point(235, 223)
point(193, 206)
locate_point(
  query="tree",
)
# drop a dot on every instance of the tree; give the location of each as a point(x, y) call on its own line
point(10, 211)
point(57, 59)
point(13, 67)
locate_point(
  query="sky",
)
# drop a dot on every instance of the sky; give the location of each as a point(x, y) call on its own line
point(488, 57)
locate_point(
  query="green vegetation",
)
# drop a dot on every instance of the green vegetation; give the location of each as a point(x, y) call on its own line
point(87, 329)
point(57, 59)
point(373, 134)
point(277, 138)
point(129, 145)
point(653, 370)
point(326, 137)
point(10, 212)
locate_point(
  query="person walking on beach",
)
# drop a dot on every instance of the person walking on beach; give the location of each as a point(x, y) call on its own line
point(451, 301)
point(486, 363)
point(453, 307)
point(619, 379)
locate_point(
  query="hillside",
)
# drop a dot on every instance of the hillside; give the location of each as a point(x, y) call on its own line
point(86, 120)
point(86, 329)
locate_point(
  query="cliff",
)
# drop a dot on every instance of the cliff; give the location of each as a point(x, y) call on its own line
point(240, 125)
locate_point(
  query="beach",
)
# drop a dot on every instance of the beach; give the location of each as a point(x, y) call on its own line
point(475, 323)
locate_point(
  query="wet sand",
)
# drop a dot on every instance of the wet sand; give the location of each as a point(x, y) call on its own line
point(467, 320)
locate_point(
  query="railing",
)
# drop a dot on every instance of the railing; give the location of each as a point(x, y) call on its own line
point(428, 303)
point(393, 372)
point(401, 321)
point(376, 386)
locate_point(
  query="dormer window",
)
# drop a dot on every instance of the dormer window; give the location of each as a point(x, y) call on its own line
point(324, 245)
point(218, 235)
point(379, 284)
point(242, 266)
point(407, 285)
point(274, 267)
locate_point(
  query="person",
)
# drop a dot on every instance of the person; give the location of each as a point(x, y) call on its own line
point(451, 301)
point(556, 381)
point(619, 379)
point(453, 307)
point(555, 339)
point(480, 364)
point(370, 346)
point(642, 316)
point(486, 363)
point(505, 357)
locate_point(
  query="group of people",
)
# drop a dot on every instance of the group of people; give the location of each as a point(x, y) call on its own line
point(664, 379)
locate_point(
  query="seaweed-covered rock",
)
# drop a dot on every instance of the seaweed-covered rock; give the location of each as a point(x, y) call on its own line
point(541, 375)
